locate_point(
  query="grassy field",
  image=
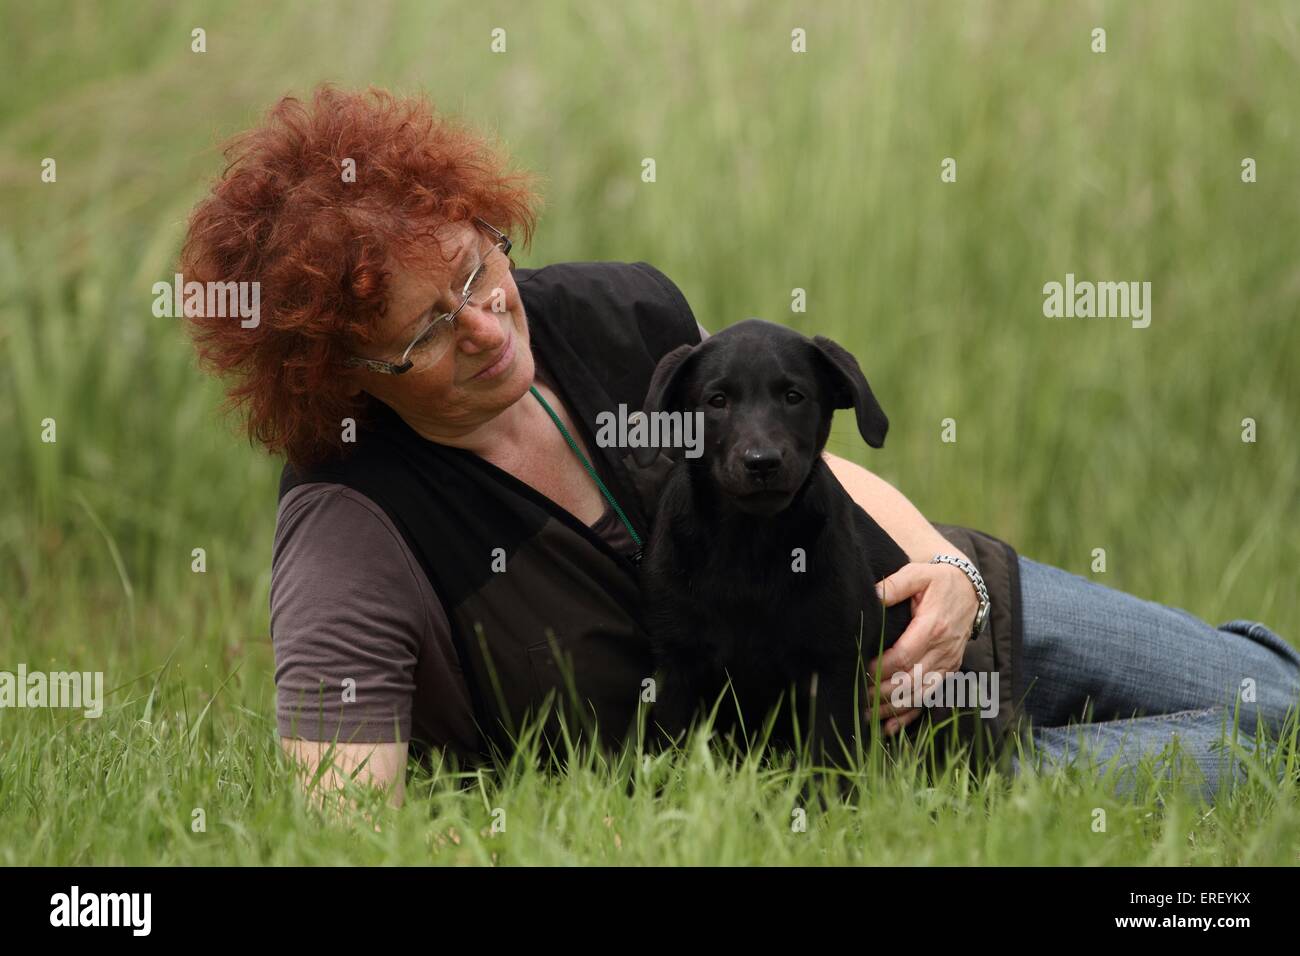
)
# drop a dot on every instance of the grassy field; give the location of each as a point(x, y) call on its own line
point(775, 170)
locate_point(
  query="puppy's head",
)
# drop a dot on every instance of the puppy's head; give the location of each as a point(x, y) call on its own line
point(767, 395)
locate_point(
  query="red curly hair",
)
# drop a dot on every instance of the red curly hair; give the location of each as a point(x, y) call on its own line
point(282, 214)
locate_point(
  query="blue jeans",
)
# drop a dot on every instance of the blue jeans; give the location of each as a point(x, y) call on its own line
point(1148, 673)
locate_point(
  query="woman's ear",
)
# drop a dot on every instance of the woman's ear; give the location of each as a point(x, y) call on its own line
point(850, 390)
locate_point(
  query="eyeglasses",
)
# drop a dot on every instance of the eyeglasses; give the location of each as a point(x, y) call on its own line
point(434, 337)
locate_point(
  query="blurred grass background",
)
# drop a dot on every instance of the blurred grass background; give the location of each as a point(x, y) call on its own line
point(774, 171)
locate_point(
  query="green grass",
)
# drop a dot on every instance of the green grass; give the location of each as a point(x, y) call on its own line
point(775, 171)
point(125, 790)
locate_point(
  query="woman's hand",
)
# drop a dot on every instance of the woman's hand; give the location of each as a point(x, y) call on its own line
point(944, 605)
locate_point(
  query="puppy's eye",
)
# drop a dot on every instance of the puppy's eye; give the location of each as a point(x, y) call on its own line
point(793, 398)
point(718, 400)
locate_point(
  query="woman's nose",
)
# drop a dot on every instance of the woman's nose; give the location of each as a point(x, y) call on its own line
point(481, 329)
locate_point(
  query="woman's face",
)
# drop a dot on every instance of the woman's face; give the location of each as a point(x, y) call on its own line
point(488, 365)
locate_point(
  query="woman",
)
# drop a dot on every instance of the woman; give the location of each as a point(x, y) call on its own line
point(451, 539)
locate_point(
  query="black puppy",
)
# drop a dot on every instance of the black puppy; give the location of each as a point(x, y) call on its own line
point(759, 567)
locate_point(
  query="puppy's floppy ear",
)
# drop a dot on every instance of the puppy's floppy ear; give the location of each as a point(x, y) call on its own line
point(664, 393)
point(852, 391)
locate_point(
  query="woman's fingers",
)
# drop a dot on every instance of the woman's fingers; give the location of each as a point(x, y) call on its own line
point(911, 646)
point(896, 667)
point(892, 696)
point(896, 694)
point(885, 711)
point(931, 643)
point(891, 714)
point(903, 583)
point(895, 724)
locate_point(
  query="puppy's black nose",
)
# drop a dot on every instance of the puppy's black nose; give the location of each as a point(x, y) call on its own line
point(762, 462)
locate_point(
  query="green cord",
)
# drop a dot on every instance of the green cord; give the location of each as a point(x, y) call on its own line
point(586, 464)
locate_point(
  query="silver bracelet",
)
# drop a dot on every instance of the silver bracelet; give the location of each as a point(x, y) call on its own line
point(977, 580)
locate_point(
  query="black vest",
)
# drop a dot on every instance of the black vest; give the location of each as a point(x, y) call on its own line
point(566, 598)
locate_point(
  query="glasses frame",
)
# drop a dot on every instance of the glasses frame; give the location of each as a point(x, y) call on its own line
point(405, 364)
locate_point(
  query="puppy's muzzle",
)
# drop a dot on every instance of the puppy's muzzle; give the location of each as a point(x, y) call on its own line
point(761, 464)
